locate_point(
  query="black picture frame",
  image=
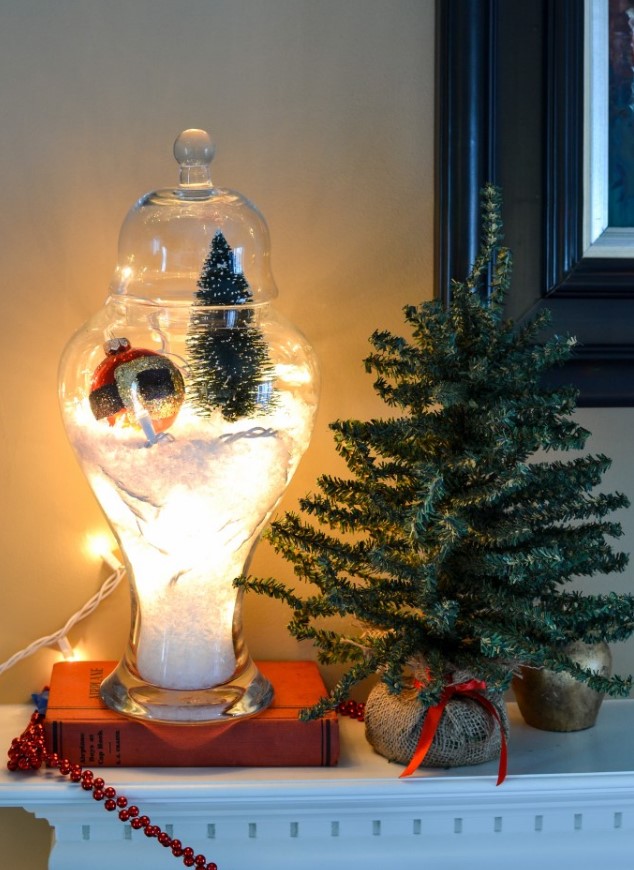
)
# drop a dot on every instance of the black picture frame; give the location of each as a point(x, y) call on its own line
point(510, 109)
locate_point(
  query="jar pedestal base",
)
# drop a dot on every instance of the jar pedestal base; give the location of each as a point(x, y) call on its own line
point(244, 695)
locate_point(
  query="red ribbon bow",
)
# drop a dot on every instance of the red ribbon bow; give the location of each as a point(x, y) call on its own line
point(470, 689)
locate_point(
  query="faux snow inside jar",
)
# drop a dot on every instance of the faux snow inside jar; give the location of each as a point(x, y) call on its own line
point(189, 402)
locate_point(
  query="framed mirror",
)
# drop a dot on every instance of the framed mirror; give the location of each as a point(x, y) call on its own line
point(524, 100)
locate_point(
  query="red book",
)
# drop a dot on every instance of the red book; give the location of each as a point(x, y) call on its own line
point(81, 728)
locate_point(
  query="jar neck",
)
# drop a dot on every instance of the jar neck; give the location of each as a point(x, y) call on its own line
point(179, 312)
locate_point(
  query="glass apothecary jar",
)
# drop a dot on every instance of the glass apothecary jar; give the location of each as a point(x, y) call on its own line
point(189, 402)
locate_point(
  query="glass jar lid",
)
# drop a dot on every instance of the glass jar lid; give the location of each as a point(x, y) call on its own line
point(170, 236)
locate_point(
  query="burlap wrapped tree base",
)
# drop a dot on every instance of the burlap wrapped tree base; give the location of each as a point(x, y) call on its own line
point(467, 734)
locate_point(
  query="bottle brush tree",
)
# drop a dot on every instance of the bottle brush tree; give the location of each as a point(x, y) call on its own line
point(228, 361)
point(451, 542)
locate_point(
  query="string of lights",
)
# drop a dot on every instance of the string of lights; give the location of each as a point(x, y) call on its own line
point(60, 637)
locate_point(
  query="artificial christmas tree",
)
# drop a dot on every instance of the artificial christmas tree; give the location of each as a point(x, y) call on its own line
point(228, 359)
point(450, 541)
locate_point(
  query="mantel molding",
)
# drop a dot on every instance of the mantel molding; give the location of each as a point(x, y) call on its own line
point(566, 796)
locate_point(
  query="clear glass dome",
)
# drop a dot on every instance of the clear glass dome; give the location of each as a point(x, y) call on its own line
point(168, 233)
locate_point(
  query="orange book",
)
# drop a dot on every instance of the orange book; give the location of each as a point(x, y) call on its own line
point(81, 728)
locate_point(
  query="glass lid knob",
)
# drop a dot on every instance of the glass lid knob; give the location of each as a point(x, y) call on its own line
point(194, 151)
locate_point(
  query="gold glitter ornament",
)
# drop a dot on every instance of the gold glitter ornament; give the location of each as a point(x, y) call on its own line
point(137, 386)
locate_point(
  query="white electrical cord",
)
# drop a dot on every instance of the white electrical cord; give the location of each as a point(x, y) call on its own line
point(59, 637)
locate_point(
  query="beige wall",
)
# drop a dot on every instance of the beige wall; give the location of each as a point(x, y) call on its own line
point(322, 111)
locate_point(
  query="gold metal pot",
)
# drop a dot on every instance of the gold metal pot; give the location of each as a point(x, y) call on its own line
point(557, 702)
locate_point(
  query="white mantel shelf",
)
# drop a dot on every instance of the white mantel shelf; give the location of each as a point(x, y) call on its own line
point(568, 801)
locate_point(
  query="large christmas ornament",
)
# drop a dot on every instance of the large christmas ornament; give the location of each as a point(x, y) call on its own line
point(137, 386)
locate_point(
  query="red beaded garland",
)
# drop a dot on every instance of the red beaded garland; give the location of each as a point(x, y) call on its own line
point(28, 752)
point(177, 848)
point(353, 709)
